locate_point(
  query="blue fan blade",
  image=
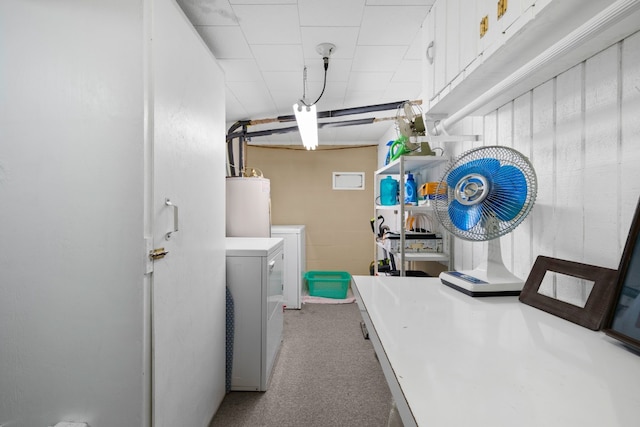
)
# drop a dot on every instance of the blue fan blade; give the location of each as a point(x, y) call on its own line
point(508, 192)
point(485, 167)
point(464, 217)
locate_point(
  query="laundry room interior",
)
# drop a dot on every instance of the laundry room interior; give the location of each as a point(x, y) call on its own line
point(320, 213)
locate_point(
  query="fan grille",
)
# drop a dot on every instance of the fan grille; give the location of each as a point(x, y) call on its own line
point(490, 191)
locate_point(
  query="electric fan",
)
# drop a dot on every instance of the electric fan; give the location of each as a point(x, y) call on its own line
point(410, 125)
point(490, 191)
point(409, 121)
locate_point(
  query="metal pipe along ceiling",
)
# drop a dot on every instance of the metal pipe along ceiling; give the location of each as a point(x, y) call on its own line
point(321, 115)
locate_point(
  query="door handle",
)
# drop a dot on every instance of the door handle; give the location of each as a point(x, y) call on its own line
point(169, 203)
point(271, 265)
point(429, 52)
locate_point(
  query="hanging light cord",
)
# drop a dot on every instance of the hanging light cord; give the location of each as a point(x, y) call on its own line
point(324, 84)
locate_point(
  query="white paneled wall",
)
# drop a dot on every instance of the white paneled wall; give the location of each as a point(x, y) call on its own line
point(582, 133)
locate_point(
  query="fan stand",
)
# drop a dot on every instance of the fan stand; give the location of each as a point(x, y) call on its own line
point(491, 278)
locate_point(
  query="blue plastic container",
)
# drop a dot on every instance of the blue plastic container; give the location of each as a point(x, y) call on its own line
point(388, 192)
point(410, 191)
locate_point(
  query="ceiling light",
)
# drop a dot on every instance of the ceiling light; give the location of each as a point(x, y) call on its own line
point(307, 119)
point(306, 115)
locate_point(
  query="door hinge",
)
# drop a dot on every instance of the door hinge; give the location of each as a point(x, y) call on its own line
point(484, 25)
point(502, 8)
point(157, 254)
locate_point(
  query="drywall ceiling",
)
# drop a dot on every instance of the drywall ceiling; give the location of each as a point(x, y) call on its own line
point(264, 45)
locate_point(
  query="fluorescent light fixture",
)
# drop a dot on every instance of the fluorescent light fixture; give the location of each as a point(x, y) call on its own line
point(307, 120)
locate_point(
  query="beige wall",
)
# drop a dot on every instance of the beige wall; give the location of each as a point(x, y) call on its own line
point(339, 236)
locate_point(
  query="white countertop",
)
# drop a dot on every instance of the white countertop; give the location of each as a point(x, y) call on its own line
point(463, 361)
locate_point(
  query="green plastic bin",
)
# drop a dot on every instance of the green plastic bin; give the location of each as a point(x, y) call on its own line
point(328, 284)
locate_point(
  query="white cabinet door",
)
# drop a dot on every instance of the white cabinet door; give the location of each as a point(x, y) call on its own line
point(452, 52)
point(511, 13)
point(469, 33)
point(486, 9)
point(188, 168)
point(428, 60)
point(439, 12)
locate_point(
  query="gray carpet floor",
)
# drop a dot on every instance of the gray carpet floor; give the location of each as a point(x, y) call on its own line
point(325, 375)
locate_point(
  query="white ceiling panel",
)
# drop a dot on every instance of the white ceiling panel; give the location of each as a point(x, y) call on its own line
point(253, 97)
point(363, 81)
point(366, 97)
point(263, 46)
point(241, 70)
point(331, 13)
point(284, 101)
point(338, 71)
point(208, 12)
point(378, 58)
point(262, 1)
point(408, 71)
point(344, 38)
point(270, 24)
point(233, 106)
point(404, 20)
point(282, 81)
point(400, 2)
point(416, 51)
point(334, 90)
point(234, 47)
point(271, 57)
point(403, 91)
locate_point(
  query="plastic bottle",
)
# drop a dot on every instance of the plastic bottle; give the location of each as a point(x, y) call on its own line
point(410, 191)
point(388, 191)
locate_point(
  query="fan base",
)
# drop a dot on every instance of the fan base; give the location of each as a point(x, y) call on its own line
point(477, 287)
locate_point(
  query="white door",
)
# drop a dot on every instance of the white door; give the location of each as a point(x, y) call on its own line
point(188, 286)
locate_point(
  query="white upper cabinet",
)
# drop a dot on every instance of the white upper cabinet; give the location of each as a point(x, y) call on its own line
point(472, 45)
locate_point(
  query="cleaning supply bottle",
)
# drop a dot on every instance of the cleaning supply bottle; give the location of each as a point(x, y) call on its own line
point(388, 192)
point(410, 191)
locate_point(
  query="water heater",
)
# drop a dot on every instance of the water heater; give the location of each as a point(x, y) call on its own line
point(248, 201)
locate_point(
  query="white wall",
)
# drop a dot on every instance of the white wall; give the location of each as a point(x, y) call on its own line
point(76, 161)
point(580, 130)
point(71, 212)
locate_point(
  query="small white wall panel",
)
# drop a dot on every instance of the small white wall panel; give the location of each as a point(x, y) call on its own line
point(630, 145)
point(504, 136)
point(601, 159)
point(522, 261)
point(544, 225)
point(467, 254)
point(569, 186)
point(490, 136)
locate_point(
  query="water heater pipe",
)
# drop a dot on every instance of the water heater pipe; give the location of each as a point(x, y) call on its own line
point(602, 21)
